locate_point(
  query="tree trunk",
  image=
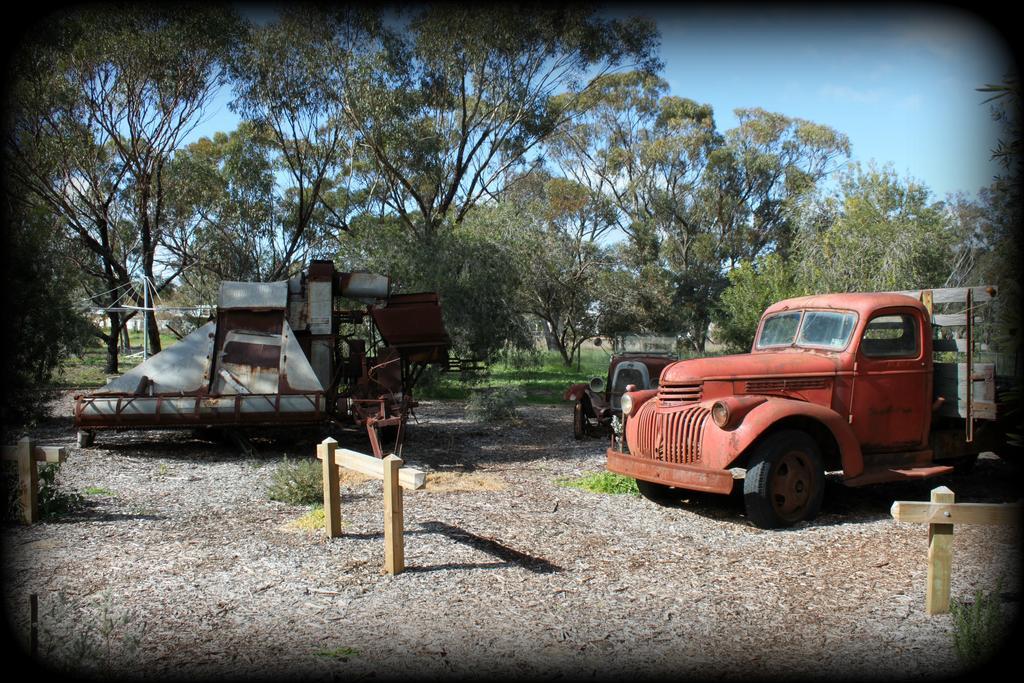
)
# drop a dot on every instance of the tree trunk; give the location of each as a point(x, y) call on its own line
point(154, 333)
point(113, 339)
point(126, 339)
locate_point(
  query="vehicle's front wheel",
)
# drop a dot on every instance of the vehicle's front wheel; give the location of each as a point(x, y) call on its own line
point(580, 426)
point(785, 482)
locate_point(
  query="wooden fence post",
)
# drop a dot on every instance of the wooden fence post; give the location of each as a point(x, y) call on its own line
point(332, 494)
point(940, 557)
point(33, 624)
point(27, 456)
point(941, 514)
point(28, 482)
point(394, 543)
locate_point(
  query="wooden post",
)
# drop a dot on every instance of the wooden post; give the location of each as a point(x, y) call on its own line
point(940, 557)
point(394, 543)
point(27, 456)
point(33, 627)
point(332, 494)
point(941, 514)
point(28, 482)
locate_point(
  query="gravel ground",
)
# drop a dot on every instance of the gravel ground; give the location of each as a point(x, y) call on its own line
point(533, 580)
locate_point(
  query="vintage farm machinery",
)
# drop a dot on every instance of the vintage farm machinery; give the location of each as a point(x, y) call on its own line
point(285, 353)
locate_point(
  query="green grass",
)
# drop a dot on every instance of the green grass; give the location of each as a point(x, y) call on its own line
point(88, 371)
point(98, 491)
point(603, 482)
point(544, 383)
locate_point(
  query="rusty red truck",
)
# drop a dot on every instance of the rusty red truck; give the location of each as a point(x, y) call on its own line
point(837, 382)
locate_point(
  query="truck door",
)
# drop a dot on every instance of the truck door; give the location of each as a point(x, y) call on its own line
point(891, 404)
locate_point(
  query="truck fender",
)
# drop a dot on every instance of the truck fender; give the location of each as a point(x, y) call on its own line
point(575, 392)
point(725, 445)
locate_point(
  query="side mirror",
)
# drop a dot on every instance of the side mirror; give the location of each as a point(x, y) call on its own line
point(597, 385)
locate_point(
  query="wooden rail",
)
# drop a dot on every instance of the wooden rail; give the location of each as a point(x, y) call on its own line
point(395, 478)
point(27, 456)
point(941, 514)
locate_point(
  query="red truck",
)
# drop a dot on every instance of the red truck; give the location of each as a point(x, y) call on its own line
point(837, 382)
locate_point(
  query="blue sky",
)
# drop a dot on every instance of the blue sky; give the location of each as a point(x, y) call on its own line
point(900, 80)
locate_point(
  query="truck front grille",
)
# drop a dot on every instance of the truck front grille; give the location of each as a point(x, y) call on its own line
point(678, 394)
point(671, 436)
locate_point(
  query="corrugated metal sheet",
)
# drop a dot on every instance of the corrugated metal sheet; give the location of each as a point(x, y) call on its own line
point(253, 295)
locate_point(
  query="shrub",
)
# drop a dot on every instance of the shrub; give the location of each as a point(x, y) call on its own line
point(979, 627)
point(297, 482)
point(53, 500)
point(520, 358)
point(494, 404)
point(90, 637)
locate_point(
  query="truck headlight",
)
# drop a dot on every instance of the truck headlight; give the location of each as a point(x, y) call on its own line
point(627, 405)
point(720, 413)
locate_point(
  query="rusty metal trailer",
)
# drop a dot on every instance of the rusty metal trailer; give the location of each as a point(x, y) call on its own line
point(285, 353)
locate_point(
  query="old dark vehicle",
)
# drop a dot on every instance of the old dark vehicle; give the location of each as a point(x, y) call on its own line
point(636, 361)
point(842, 383)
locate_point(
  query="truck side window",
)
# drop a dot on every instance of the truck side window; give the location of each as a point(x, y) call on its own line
point(891, 336)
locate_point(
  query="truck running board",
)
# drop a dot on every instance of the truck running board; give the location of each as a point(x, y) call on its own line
point(886, 474)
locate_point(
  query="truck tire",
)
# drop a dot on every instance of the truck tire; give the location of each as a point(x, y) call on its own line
point(579, 421)
point(659, 493)
point(785, 481)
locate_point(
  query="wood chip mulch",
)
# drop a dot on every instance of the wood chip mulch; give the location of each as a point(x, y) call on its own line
point(532, 580)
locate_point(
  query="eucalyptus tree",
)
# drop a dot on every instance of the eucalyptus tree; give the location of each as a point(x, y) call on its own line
point(220, 209)
point(102, 97)
point(649, 152)
point(458, 98)
point(888, 234)
point(290, 76)
point(558, 228)
point(692, 201)
point(768, 163)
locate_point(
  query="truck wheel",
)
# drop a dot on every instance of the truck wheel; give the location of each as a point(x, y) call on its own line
point(785, 482)
point(659, 493)
point(579, 421)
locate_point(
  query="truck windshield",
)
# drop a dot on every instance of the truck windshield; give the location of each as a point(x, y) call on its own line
point(819, 329)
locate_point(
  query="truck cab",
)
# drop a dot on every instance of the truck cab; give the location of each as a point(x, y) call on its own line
point(837, 382)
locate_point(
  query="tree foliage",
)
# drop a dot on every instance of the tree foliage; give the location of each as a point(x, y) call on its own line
point(42, 324)
point(463, 95)
point(887, 235)
point(877, 232)
point(102, 97)
point(691, 200)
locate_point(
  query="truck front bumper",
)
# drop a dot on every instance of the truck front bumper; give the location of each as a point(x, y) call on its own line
point(670, 474)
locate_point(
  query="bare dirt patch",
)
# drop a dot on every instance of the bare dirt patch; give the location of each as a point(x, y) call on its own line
point(533, 579)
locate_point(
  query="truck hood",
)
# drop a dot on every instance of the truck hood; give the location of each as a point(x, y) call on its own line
point(738, 366)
